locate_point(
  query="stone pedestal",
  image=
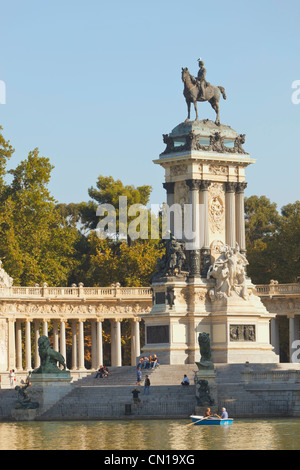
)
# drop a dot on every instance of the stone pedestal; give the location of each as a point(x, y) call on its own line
point(46, 390)
point(206, 390)
point(24, 415)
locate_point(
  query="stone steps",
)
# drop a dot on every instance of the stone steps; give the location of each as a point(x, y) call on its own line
point(96, 402)
point(111, 397)
point(127, 375)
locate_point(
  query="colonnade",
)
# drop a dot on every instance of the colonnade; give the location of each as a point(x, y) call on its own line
point(35, 327)
point(293, 338)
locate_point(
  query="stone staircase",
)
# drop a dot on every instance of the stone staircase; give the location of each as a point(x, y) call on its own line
point(126, 375)
point(111, 397)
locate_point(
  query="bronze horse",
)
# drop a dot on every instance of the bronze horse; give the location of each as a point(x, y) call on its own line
point(191, 93)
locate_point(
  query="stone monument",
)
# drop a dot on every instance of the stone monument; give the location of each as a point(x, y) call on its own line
point(49, 383)
point(206, 390)
point(201, 283)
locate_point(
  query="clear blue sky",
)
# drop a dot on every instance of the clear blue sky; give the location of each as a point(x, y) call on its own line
point(95, 84)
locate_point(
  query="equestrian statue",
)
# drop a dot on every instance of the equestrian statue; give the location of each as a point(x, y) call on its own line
point(198, 89)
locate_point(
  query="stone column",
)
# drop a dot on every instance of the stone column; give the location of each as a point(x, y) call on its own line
point(169, 187)
point(116, 354)
point(275, 335)
point(293, 328)
point(37, 360)
point(63, 349)
point(230, 213)
point(135, 340)
point(28, 344)
point(204, 227)
point(99, 343)
point(19, 364)
point(193, 247)
point(81, 344)
point(11, 359)
point(74, 345)
point(94, 344)
point(45, 327)
point(240, 216)
point(55, 336)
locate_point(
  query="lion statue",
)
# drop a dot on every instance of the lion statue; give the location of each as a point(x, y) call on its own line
point(49, 358)
point(204, 343)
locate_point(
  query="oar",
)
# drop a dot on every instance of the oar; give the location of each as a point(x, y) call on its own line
point(195, 422)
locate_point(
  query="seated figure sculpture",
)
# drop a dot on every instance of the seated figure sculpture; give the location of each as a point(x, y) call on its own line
point(49, 358)
point(24, 401)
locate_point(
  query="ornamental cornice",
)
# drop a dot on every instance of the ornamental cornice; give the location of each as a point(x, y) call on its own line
point(59, 310)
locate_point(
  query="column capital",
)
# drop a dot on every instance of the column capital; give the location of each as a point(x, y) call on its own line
point(193, 184)
point(169, 187)
point(240, 187)
point(204, 185)
point(230, 186)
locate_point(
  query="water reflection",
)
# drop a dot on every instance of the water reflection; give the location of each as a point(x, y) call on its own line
point(151, 435)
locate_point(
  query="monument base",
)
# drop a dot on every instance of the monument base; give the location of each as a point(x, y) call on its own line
point(238, 326)
point(206, 390)
point(46, 390)
point(24, 415)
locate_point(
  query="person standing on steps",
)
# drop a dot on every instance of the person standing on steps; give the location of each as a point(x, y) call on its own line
point(135, 395)
point(138, 376)
point(147, 385)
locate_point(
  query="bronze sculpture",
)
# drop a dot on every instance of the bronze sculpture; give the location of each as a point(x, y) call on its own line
point(49, 358)
point(200, 90)
point(24, 401)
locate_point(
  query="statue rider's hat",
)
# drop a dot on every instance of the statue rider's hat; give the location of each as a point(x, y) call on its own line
point(200, 61)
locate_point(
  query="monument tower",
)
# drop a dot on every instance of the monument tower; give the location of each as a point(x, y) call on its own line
point(201, 283)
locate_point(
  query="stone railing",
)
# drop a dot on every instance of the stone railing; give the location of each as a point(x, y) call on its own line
point(277, 289)
point(263, 290)
point(73, 292)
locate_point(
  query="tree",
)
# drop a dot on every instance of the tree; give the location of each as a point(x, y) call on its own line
point(6, 152)
point(285, 245)
point(115, 261)
point(261, 222)
point(273, 240)
point(108, 191)
point(36, 243)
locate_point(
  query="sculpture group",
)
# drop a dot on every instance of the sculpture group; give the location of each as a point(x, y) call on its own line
point(172, 260)
point(229, 272)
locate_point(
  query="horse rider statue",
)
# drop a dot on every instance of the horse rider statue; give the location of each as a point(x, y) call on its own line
point(201, 81)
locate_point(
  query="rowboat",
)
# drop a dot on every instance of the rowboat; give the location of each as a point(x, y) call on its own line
point(210, 421)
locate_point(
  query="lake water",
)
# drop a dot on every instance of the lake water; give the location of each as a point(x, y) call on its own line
point(271, 434)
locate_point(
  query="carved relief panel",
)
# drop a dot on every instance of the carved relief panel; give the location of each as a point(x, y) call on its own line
point(216, 208)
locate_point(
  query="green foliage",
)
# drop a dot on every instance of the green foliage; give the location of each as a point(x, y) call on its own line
point(273, 240)
point(36, 244)
point(113, 261)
